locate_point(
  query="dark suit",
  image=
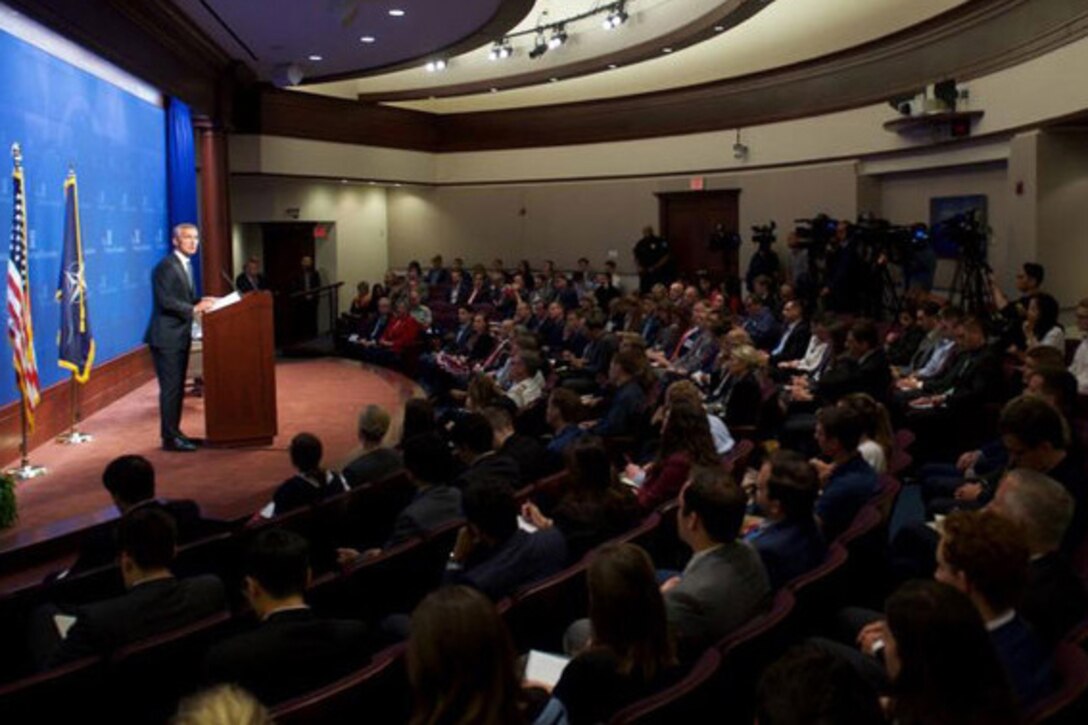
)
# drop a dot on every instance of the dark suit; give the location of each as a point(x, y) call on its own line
point(624, 412)
point(290, 653)
point(522, 559)
point(432, 507)
point(1029, 666)
point(529, 454)
point(974, 378)
point(373, 466)
point(1055, 600)
point(792, 345)
point(98, 547)
point(170, 335)
point(874, 375)
point(788, 549)
point(850, 487)
point(145, 610)
point(243, 283)
point(491, 468)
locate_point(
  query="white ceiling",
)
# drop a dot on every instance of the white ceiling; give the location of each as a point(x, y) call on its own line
point(785, 32)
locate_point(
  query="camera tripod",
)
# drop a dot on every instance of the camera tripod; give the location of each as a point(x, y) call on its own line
point(971, 288)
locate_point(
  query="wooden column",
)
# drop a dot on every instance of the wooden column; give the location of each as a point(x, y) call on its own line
point(215, 233)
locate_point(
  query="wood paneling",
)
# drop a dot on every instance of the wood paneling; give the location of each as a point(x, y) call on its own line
point(108, 382)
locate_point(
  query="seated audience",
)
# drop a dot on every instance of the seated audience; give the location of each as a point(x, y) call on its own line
point(1029, 281)
point(418, 419)
point(1055, 599)
point(528, 452)
point(461, 666)
point(291, 650)
point(685, 443)
point(876, 433)
point(735, 392)
point(761, 324)
point(594, 506)
point(809, 686)
point(130, 482)
point(436, 274)
point(563, 414)
point(474, 444)
point(221, 705)
point(311, 484)
point(850, 481)
point(376, 461)
point(154, 601)
point(686, 390)
point(902, 341)
point(631, 653)
point(788, 540)
point(873, 374)
point(1041, 323)
point(724, 584)
point(793, 343)
point(816, 352)
point(492, 553)
point(527, 380)
point(1079, 366)
point(627, 405)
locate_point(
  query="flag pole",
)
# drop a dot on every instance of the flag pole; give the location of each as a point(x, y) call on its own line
point(25, 471)
point(74, 436)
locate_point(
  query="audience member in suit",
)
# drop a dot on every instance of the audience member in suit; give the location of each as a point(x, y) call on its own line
point(434, 503)
point(312, 483)
point(852, 481)
point(565, 294)
point(942, 661)
point(628, 404)
point(793, 342)
point(735, 392)
point(437, 274)
point(376, 461)
point(593, 507)
point(590, 370)
point(461, 666)
point(459, 288)
point(291, 651)
point(685, 443)
point(400, 334)
point(251, 279)
point(902, 342)
point(724, 584)
point(130, 482)
point(474, 443)
point(632, 654)
point(761, 324)
point(984, 556)
point(563, 414)
point(551, 328)
point(873, 374)
point(526, 378)
point(492, 553)
point(528, 452)
point(788, 541)
point(811, 685)
point(155, 602)
point(1054, 599)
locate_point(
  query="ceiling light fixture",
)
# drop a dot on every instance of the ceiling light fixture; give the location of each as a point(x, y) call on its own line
point(559, 37)
point(367, 39)
point(315, 58)
point(540, 46)
point(396, 13)
point(666, 50)
point(616, 17)
point(435, 65)
point(501, 50)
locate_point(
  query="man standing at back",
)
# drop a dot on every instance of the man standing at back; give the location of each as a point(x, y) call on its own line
point(169, 335)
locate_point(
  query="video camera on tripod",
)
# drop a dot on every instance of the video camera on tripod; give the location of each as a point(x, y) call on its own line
point(764, 235)
point(967, 232)
point(816, 232)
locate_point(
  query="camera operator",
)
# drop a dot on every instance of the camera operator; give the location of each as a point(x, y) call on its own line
point(764, 262)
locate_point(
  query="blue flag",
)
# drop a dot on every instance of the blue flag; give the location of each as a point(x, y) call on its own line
point(75, 341)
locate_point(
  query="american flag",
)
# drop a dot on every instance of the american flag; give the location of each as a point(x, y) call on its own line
point(20, 329)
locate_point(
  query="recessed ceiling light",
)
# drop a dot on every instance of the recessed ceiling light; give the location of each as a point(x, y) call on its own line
point(666, 50)
point(553, 79)
point(719, 28)
point(367, 39)
point(316, 58)
point(612, 66)
point(396, 13)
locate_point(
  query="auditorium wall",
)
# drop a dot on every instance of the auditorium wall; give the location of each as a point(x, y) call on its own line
point(1063, 214)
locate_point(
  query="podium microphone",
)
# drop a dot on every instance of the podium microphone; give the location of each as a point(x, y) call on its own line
point(230, 282)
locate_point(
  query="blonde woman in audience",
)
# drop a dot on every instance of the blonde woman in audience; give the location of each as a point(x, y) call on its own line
point(222, 705)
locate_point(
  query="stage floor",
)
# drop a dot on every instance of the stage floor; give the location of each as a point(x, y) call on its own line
point(322, 396)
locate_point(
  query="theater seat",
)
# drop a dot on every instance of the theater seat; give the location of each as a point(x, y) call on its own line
point(1069, 704)
point(378, 693)
point(736, 460)
point(821, 592)
point(690, 700)
point(63, 694)
point(538, 615)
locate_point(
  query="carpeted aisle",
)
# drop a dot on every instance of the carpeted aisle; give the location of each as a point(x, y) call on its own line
point(321, 396)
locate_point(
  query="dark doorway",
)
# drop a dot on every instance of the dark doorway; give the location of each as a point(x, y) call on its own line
point(689, 220)
point(284, 244)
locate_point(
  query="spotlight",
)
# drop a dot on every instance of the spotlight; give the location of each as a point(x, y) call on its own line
point(435, 65)
point(540, 46)
point(501, 50)
point(558, 38)
point(616, 17)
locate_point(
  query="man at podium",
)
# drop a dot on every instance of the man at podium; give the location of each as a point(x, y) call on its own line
point(169, 334)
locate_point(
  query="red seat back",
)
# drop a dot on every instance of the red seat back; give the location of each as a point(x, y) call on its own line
point(1068, 704)
point(539, 614)
point(690, 700)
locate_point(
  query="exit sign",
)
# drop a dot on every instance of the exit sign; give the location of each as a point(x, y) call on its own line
point(697, 183)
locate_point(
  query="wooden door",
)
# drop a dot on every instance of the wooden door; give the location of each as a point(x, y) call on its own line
point(689, 220)
point(284, 244)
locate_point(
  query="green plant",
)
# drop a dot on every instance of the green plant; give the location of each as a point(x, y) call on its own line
point(8, 510)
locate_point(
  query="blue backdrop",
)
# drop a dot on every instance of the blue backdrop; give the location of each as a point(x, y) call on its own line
point(63, 116)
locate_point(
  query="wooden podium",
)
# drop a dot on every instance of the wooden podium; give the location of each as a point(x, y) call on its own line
point(240, 373)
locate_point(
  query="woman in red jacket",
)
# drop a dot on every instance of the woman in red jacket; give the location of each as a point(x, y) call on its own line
point(685, 442)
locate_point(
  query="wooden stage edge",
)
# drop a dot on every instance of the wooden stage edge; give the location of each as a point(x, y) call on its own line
point(53, 416)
